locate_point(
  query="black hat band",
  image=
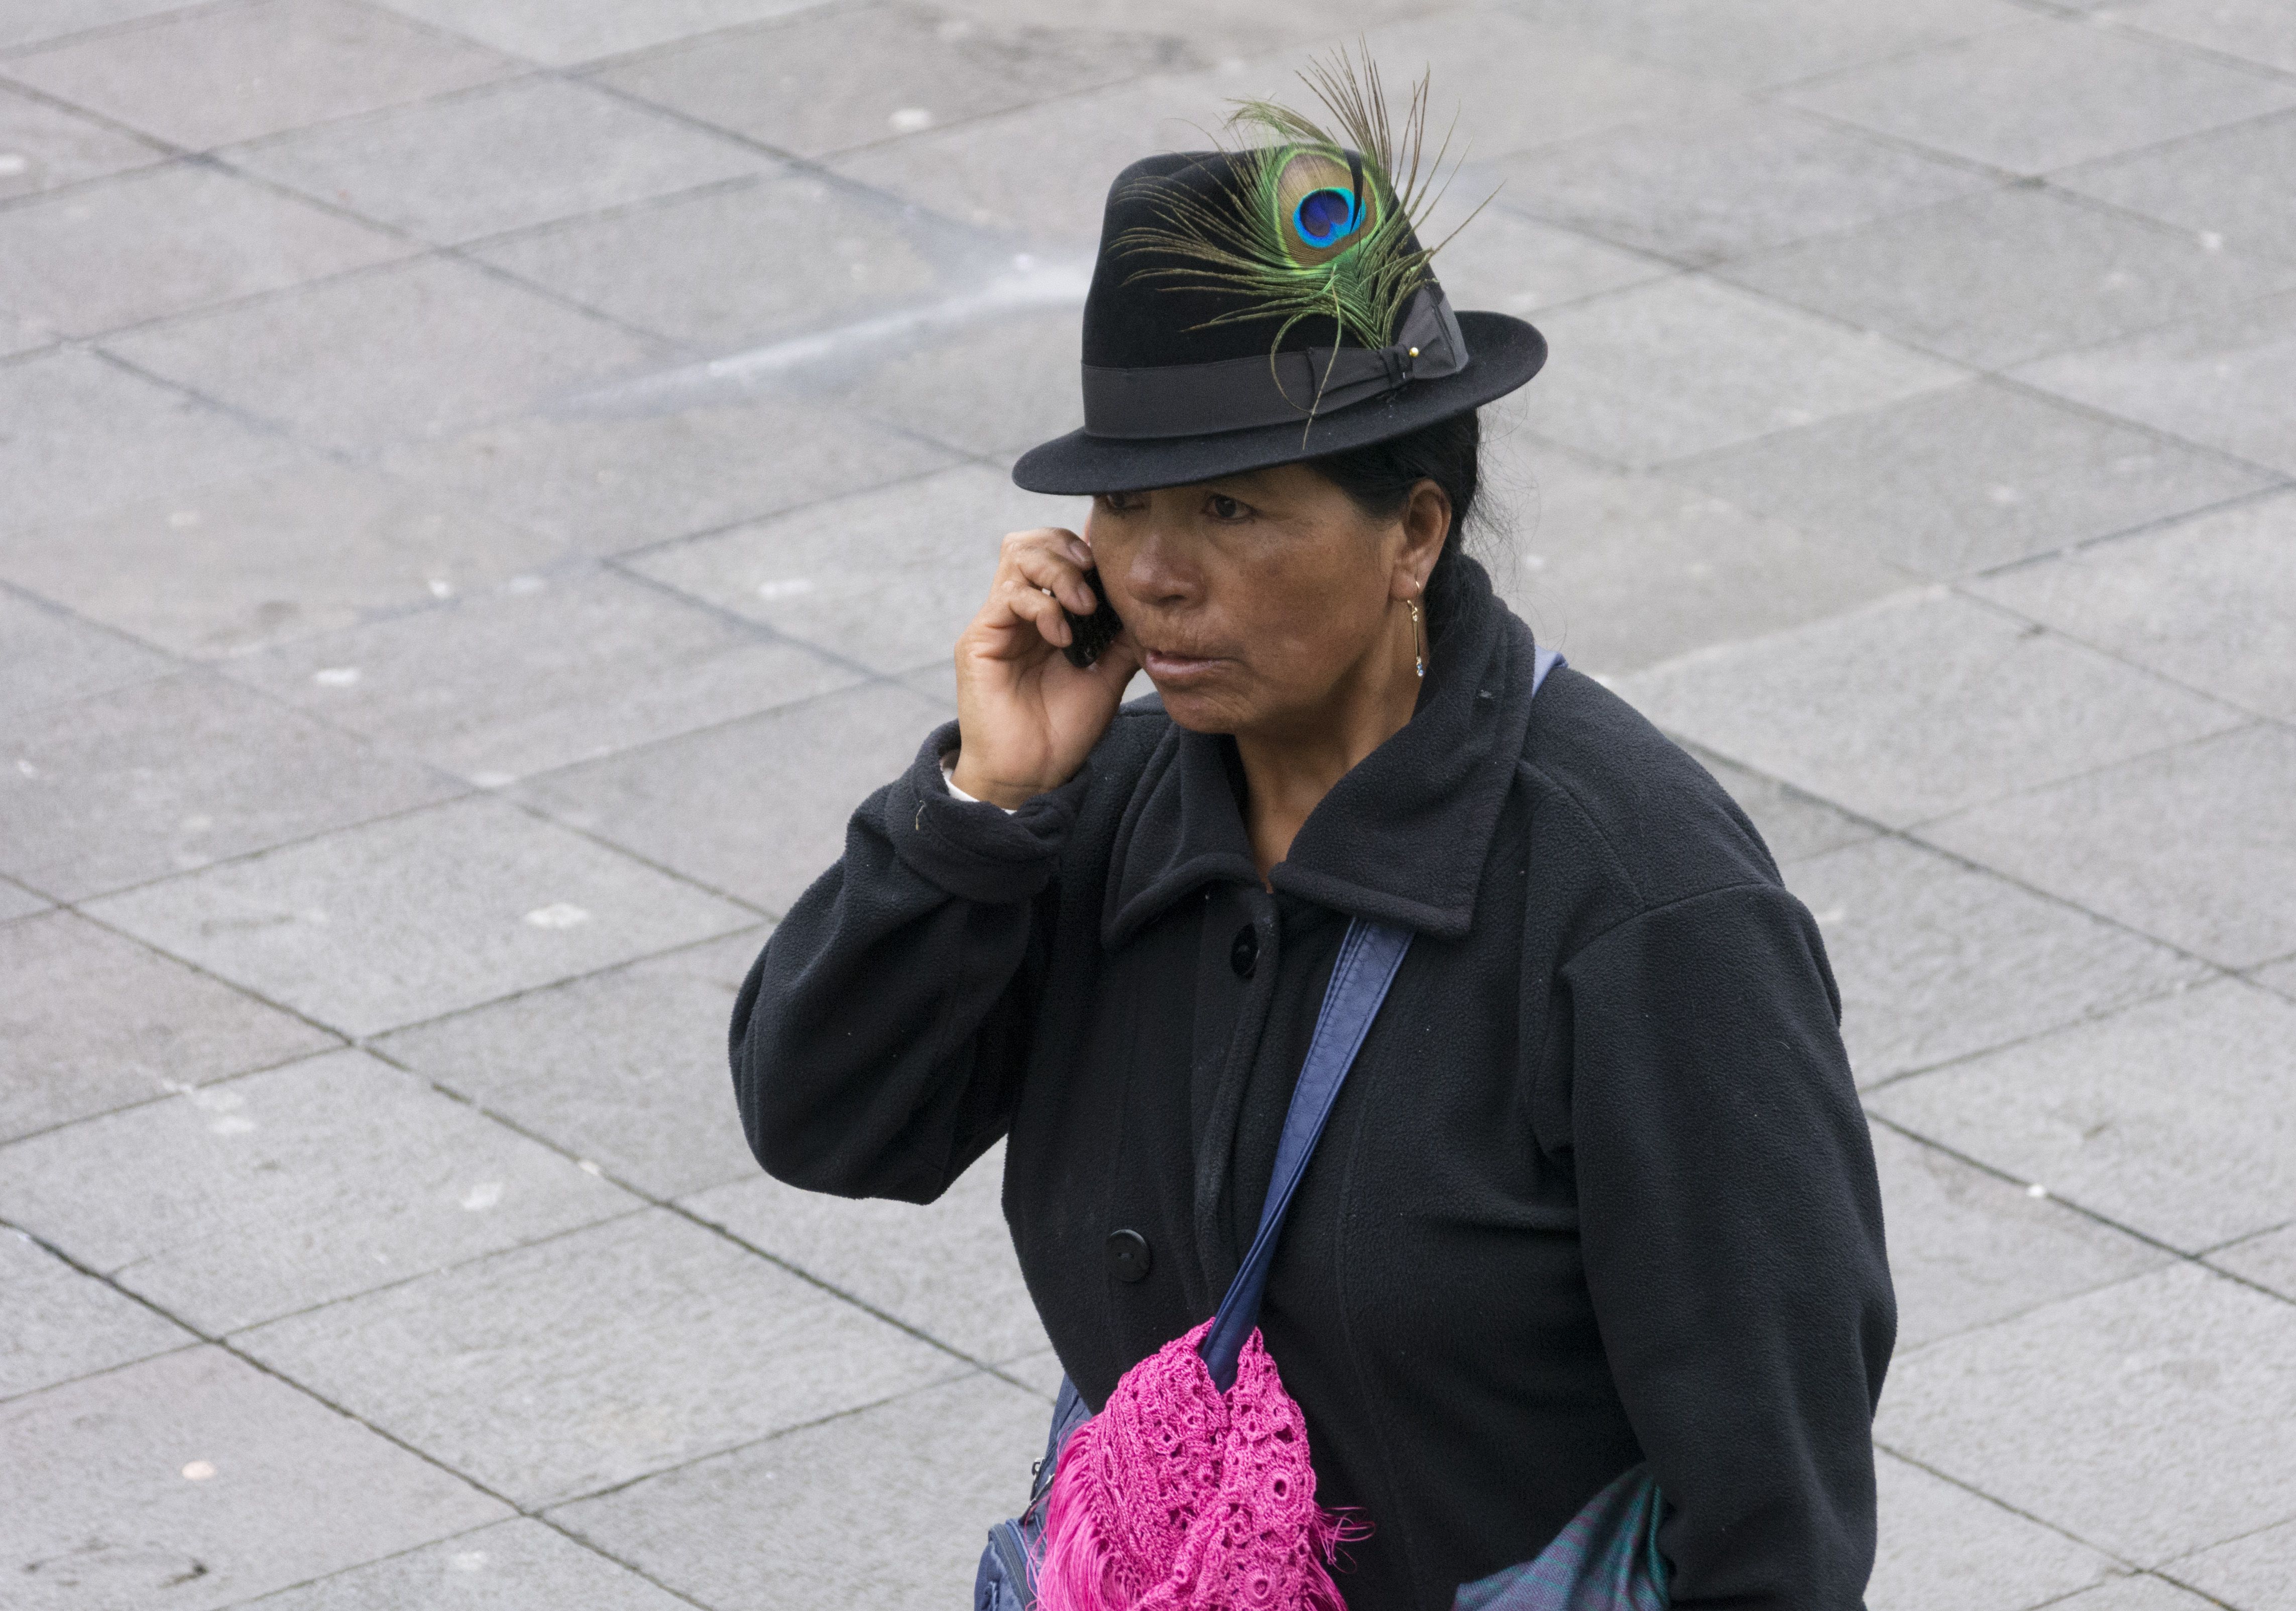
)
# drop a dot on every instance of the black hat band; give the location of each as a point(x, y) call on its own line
point(1238, 394)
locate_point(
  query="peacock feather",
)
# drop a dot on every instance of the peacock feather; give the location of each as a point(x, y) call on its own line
point(1319, 221)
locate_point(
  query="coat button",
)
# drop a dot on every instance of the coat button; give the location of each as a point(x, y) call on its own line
point(1244, 952)
point(1129, 1257)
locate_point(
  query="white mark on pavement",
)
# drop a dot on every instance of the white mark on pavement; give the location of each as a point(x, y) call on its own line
point(232, 1124)
point(199, 1471)
point(1832, 914)
point(440, 586)
point(2211, 241)
point(26, 768)
point(557, 915)
point(13, 162)
point(336, 676)
point(468, 1560)
point(788, 588)
point(909, 119)
point(588, 1168)
point(494, 780)
point(486, 1194)
point(2037, 1190)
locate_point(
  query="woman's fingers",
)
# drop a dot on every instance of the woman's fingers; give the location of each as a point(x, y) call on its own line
point(1050, 566)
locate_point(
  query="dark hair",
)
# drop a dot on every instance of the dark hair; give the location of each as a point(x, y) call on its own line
point(1380, 477)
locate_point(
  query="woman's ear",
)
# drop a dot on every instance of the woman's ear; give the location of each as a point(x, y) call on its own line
point(1426, 526)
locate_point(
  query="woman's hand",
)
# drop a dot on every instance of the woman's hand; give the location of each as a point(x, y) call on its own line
point(1025, 718)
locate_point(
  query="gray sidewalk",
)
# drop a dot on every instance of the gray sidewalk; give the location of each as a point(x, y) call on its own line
point(486, 486)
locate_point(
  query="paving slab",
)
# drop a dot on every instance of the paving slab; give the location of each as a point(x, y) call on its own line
point(2175, 1117)
point(932, 387)
point(757, 807)
point(215, 74)
point(1473, 59)
point(195, 1480)
point(2269, 1260)
point(538, 673)
point(506, 157)
point(1968, 1249)
point(2231, 187)
point(79, 435)
point(31, 21)
point(772, 1525)
point(626, 1068)
point(1508, 263)
point(1748, 178)
point(2012, 274)
point(20, 335)
point(579, 1364)
point(1757, 43)
point(1040, 1371)
point(56, 1324)
point(254, 1198)
point(612, 478)
point(562, 32)
point(1793, 825)
point(1937, 960)
point(92, 1022)
point(2142, 1592)
point(1920, 704)
point(2044, 95)
point(2191, 845)
point(2210, 600)
point(924, 70)
point(2219, 380)
point(53, 148)
point(516, 1565)
point(2251, 1572)
point(47, 657)
point(990, 172)
point(888, 578)
point(168, 241)
point(1943, 1548)
point(2256, 30)
point(1977, 475)
point(1230, 33)
point(424, 349)
point(420, 915)
point(238, 566)
point(1686, 365)
point(1620, 571)
point(162, 776)
point(946, 1268)
point(2144, 1419)
point(2281, 977)
point(17, 901)
point(692, 268)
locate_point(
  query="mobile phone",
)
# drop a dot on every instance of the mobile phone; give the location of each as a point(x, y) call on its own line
point(1089, 636)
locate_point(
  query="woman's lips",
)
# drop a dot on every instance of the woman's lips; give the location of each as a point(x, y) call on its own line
point(1165, 666)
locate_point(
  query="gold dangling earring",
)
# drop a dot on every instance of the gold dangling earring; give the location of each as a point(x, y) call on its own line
point(1418, 638)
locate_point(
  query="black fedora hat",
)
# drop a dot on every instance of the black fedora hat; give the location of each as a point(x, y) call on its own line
point(1190, 374)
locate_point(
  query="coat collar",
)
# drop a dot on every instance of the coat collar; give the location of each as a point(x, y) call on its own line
point(1401, 839)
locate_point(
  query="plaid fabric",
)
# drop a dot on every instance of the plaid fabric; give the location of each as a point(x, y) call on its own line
point(1605, 1559)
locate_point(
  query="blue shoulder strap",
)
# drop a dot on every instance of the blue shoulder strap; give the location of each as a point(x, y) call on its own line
point(1368, 958)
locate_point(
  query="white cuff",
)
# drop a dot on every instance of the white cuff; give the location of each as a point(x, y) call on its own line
point(948, 776)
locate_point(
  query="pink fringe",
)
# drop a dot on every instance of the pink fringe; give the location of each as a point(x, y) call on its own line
point(1177, 1498)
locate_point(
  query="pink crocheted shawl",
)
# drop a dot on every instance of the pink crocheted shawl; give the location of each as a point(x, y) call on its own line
point(1176, 1497)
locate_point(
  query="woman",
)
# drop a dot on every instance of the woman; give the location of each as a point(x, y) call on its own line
point(1598, 1189)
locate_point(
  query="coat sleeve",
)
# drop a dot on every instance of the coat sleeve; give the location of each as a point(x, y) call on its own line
point(1731, 1227)
point(878, 1041)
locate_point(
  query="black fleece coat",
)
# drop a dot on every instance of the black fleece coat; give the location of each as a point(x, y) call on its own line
point(1597, 1191)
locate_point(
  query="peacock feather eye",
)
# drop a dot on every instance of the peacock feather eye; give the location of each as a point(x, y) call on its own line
point(1324, 204)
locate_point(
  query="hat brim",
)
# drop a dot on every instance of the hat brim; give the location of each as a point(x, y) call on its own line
point(1503, 353)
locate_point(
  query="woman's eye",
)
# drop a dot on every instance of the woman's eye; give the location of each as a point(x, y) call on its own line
point(1226, 509)
point(1118, 503)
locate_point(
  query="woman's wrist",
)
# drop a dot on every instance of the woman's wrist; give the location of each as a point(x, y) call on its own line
point(971, 785)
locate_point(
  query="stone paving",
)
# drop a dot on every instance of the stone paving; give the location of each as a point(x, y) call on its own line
point(487, 485)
